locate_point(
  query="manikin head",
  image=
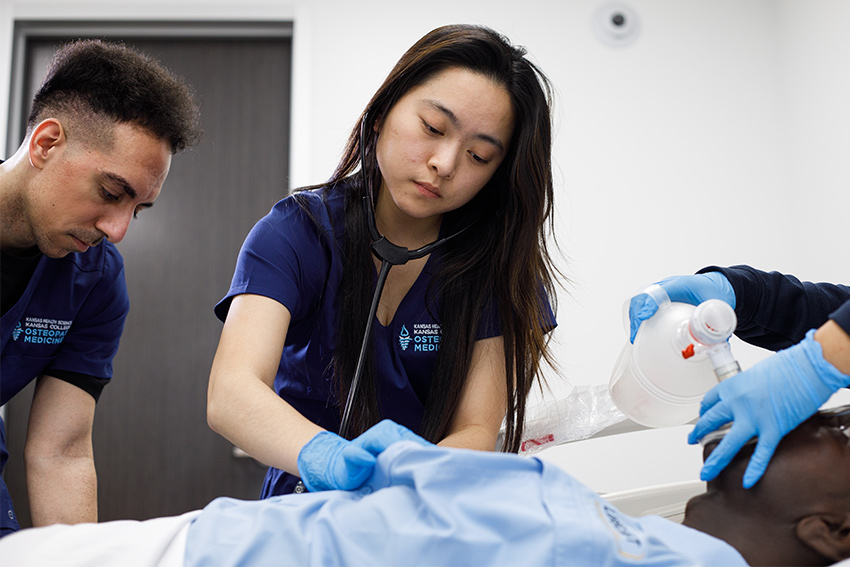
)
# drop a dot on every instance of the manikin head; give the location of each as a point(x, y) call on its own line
point(799, 512)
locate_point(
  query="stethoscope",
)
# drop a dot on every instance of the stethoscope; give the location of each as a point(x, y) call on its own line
point(390, 255)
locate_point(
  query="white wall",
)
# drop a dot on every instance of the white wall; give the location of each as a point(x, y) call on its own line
point(719, 136)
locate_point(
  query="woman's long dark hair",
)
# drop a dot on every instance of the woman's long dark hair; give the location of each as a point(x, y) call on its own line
point(506, 248)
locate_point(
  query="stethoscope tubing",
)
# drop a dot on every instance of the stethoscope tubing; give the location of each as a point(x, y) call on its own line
point(390, 255)
point(364, 345)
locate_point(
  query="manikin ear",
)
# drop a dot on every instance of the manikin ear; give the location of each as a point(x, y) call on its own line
point(48, 134)
point(828, 534)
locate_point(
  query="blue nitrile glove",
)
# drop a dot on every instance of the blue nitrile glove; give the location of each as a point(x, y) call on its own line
point(330, 462)
point(383, 434)
point(683, 289)
point(768, 400)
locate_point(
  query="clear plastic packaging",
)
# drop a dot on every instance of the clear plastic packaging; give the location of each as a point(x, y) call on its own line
point(679, 354)
point(585, 411)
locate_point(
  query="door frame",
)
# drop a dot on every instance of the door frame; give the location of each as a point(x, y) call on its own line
point(25, 30)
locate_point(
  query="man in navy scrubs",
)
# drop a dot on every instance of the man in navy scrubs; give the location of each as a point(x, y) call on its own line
point(98, 146)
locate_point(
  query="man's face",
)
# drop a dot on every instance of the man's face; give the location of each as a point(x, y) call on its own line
point(83, 194)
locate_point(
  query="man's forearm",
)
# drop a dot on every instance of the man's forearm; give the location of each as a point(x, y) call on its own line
point(62, 490)
point(835, 343)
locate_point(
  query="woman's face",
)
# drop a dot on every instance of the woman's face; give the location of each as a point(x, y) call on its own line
point(441, 143)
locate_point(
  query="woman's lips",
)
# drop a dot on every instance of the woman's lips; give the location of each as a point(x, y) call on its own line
point(428, 190)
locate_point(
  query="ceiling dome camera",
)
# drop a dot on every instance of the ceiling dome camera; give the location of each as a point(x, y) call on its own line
point(616, 25)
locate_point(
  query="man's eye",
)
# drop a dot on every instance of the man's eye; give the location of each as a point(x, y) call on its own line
point(109, 196)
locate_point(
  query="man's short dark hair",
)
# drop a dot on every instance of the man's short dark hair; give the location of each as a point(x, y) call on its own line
point(111, 80)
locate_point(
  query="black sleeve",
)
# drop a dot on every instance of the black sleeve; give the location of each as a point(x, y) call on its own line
point(842, 316)
point(776, 310)
point(90, 384)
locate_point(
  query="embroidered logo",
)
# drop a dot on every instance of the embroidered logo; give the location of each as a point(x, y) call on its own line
point(41, 331)
point(426, 337)
point(404, 338)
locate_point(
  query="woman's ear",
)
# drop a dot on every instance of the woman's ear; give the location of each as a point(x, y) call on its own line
point(47, 135)
point(828, 534)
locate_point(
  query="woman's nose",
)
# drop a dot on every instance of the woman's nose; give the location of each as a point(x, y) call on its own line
point(444, 160)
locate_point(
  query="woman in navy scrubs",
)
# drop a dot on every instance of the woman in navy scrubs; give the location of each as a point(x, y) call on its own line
point(456, 139)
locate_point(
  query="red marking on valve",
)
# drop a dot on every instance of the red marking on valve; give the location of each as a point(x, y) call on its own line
point(688, 352)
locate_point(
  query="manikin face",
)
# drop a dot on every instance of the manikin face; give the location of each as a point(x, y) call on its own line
point(799, 511)
point(810, 465)
point(441, 143)
point(82, 195)
point(817, 451)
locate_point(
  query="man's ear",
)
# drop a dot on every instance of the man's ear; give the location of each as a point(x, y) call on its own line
point(48, 134)
point(828, 534)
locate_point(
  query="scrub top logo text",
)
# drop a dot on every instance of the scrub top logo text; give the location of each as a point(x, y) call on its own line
point(41, 331)
point(425, 337)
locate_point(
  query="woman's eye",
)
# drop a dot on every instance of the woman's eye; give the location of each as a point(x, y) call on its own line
point(479, 159)
point(431, 129)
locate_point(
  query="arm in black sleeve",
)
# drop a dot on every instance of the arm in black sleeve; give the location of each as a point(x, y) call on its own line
point(90, 384)
point(775, 310)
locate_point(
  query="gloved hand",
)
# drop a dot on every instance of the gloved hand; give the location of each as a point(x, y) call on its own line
point(768, 400)
point(330, 462)
point(683, 289)
point(383, 434)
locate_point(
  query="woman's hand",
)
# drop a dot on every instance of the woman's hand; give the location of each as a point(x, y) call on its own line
point(329, 462)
